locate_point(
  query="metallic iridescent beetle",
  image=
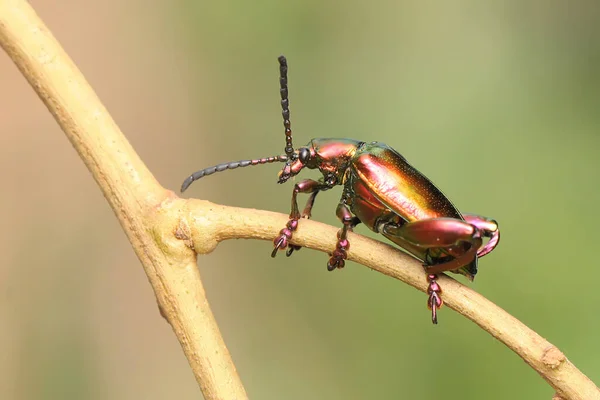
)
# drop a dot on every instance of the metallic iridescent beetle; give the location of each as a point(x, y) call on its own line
point(384, 192)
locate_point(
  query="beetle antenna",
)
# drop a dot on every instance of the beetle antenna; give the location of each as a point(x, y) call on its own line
point(285, 106)
point(230, 165)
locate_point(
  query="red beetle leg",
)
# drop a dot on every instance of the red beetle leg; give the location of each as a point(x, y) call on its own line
point(440, 233)
point(459, 261)
point(307, 213)
point(281, 242)
point(446, 235)
point(434, 302)
point(339, 255)
point(435, 232)
point(488, 228)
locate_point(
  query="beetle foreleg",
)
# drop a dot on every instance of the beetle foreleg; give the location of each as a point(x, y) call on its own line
point(285, 235)
point(307, 213)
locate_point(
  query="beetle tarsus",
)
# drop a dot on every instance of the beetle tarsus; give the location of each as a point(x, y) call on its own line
point(282, 241)
point(335, 263)
point(340, 254)
point(338, 257)
point(434, 302)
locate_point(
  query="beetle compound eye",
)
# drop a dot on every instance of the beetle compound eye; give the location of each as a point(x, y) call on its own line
point(304, 155)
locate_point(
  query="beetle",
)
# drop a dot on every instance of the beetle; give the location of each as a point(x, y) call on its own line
point(384, 192)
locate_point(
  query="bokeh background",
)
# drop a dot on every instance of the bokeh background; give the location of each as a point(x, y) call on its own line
point(498, 103)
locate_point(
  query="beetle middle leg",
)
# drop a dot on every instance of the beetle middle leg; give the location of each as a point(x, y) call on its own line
point(339, 255)
point(285, 235)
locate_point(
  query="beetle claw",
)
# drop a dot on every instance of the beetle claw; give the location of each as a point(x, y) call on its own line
point(433, 312)
point(291, 249)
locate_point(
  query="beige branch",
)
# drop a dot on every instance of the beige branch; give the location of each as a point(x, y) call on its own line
point(163, 228)
point(204, 224)
point(144, 209)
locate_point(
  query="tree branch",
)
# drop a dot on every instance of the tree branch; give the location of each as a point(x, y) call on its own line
point(203, 225)
point(164, 229)
point(142, 206)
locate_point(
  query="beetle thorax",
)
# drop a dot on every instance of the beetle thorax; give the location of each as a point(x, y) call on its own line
point(332, 157)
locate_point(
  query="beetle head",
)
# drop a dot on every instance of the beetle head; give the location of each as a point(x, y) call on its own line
point(303, 157)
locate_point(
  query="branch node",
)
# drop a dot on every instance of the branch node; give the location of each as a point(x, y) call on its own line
point(183, 232)
point(200, 229)
point(553, 357)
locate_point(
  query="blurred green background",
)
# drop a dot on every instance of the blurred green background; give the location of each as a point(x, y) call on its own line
point(496, 102)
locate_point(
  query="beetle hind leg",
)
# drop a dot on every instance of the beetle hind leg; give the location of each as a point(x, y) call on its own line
point(434, 302)
point(434, 291)
point(444, 244)
point(488, 228)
